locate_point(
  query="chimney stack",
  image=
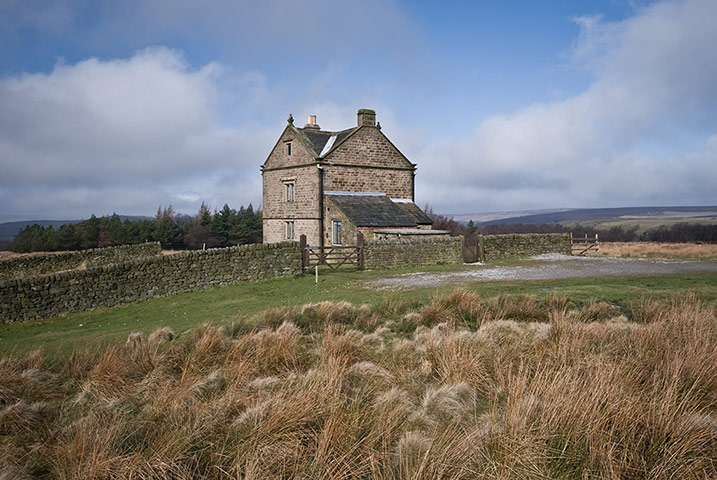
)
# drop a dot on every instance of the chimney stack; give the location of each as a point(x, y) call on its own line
point(311, 122)
point(366, 117)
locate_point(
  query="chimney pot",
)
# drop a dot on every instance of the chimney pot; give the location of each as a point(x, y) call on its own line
point(366, 117)
point(311, 122)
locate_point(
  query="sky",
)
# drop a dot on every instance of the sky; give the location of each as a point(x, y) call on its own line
point(515, 105)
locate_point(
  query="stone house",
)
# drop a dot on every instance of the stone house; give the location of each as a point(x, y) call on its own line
point(331, 185)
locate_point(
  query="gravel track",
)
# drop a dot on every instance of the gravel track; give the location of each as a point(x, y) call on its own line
point(546, 267)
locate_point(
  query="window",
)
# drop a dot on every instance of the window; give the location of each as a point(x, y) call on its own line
point(336, 232)
point(289, 228)
point(289, 191)
point(288, 148)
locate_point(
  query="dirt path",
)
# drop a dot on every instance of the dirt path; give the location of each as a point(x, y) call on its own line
point(546, 267)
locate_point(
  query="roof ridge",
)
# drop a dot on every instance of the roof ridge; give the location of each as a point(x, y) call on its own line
point(355, 194)
point(303, 137)
point(326, 132)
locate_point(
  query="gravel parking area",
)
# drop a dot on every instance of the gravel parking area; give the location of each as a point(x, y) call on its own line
point(546, 267)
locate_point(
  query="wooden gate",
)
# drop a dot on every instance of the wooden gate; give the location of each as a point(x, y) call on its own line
point(583, 246)
point(333, 256)
point(473, 249)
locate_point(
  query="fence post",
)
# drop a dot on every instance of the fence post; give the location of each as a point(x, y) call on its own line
point(359, 245)
point(304, 252)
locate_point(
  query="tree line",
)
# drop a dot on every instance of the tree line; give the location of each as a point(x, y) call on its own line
point(223, 228)
point(675, 233)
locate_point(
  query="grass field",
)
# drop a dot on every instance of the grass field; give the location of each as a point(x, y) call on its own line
point(220, 306)
point(581, 378)
point(458, 385)
point(659, 250)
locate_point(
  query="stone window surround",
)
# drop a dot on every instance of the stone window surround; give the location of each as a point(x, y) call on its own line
point(336, 232)
point(289, 189)
point(289, 230)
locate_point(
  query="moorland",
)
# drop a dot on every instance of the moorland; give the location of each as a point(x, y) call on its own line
point(612, 377)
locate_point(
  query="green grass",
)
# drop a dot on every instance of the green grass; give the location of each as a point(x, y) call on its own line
point(225, 304)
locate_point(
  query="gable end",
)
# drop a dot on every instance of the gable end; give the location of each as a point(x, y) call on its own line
point(368, 146)
point(302, 150)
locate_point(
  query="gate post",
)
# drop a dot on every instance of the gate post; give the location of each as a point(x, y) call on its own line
point(304, 252)
point(359, 245)
point(481, 248)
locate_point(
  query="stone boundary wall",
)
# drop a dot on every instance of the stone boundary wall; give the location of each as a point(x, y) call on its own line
point(524, 245)
point(32, 265)
point(108, 285)
point(380, 254)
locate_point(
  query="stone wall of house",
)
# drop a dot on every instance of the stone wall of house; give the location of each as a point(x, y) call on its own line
point(299, 168)
point(304, 210)
point(306, 192)
point(368, 146)
point(276, 230)
point(348, 228)
point(32, 265)
point(108, 285)
point(524, 245)
point(396, 183)
point(380, 254)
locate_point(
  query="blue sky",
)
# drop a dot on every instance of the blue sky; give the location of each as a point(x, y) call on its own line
point(124, 106)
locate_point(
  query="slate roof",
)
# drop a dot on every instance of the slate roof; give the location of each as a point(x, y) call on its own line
point(317, 138)
point(371, 210)
point(415, 213)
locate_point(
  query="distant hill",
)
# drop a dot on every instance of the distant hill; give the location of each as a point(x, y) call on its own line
point(491, 217)
point(591, 215)
point(8, 230)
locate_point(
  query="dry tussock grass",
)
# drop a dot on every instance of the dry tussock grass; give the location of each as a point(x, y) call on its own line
point(504, 388)
point(659, 250)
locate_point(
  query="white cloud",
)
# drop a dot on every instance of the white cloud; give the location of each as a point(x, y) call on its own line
point(654, 81)
point(155, 125)
point(96, 136)
point(126, 135)
point(188, 196)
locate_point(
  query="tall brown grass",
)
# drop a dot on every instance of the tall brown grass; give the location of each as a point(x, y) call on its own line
point(465, 388)
point(659, 250)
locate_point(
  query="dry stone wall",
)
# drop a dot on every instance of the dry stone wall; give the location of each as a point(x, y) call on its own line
point(524, 245)
point(379, 254)
point(42, 264)
point(108, 285)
